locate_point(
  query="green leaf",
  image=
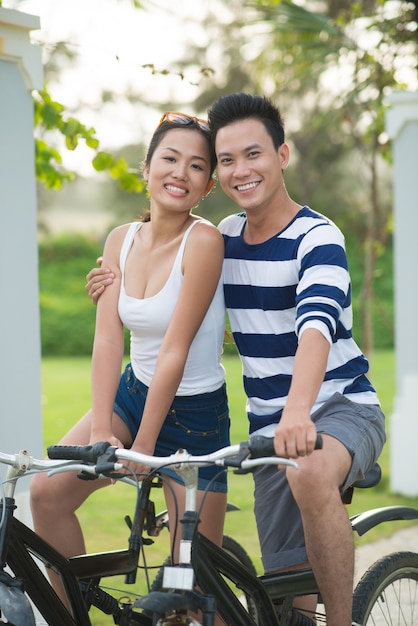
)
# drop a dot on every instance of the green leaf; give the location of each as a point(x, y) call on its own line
point(118, 168)
point(102, 161)
point(71, 127)
point(92, 142)
point(71, 142)
point(131, 183)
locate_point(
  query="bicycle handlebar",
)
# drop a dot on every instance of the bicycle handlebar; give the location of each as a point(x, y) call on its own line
point(256, 451)
point(89, 453)
point(102, 457)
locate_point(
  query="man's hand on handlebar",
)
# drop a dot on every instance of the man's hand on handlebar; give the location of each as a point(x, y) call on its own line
point(294, 437)
point(97, 280)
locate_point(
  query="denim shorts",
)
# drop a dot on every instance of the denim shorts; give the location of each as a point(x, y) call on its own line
point(361, 429)
point(198, 424)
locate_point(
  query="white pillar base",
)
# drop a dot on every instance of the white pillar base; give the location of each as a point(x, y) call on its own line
point(404, 439)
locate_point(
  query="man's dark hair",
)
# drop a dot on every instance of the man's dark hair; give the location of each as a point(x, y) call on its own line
point(235, 107)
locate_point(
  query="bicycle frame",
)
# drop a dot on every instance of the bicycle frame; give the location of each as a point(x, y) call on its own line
point(211, 564)
point(22, 544)
point(27, 554)
point(209, 561)
point(201, 562)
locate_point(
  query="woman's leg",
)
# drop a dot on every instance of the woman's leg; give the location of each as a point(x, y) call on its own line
point(55, 500)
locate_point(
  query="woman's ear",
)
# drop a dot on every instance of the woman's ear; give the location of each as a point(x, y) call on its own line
point(145, 173)
point(209, 186)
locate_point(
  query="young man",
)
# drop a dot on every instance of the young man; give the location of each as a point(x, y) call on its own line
point(288, 295)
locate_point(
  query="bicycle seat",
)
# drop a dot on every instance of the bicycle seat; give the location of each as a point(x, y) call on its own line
point(371, 479)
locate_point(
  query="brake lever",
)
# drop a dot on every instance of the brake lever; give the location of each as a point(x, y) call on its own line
point(105, 465)
point(236, 460)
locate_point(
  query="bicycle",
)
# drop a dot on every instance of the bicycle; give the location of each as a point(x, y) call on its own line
point(211, 568)
point(25, 554)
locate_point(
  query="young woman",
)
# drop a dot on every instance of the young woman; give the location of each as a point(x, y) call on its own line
point(167, 291)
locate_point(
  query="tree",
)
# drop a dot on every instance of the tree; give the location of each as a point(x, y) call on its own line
point(373, 43)
point(51, 116)
point(329, 66)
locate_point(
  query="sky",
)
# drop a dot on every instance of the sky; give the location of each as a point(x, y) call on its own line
point(113, 42)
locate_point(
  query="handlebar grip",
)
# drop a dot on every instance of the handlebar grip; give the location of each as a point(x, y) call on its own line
point(260, 446)
point(88, 453)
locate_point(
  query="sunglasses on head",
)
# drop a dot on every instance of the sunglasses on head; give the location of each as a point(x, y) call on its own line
point(185, 119)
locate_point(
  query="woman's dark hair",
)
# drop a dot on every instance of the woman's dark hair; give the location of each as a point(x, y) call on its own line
point(241, 106)
point(166, 126)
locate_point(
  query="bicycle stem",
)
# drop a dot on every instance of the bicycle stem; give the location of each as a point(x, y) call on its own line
point(22, 463)
point(189, 474)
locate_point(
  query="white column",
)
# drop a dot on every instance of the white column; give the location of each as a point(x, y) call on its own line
point(20, 346)
point(402, 127)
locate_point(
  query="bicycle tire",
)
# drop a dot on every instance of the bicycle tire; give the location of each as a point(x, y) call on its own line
point(388, 592)
point(232, 547)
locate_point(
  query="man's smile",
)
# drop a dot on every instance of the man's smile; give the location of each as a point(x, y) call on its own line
point(247, 186)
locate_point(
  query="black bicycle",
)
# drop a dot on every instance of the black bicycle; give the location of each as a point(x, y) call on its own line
point(24, 557)
point(205, 582)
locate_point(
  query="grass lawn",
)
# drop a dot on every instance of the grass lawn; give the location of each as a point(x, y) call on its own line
point(66, 396)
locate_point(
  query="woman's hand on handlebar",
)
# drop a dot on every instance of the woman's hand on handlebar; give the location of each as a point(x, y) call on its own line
point(97, 280)
point(139, 469)
point(109, 438)
point(130, 467)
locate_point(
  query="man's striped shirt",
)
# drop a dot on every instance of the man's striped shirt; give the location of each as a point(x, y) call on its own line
point(298, 279)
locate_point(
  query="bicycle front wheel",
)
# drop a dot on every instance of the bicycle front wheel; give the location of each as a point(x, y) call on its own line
point(387, 594)
point(237, 551)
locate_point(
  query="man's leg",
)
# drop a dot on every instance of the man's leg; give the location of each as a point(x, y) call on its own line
point(328, 534)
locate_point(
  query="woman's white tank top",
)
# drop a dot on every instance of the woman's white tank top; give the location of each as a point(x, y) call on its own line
point(148, 320)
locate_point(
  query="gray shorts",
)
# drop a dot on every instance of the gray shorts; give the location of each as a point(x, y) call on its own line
point(361, 429)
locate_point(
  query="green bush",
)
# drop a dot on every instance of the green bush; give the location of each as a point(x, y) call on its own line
point(68, 316)
point(383, 306)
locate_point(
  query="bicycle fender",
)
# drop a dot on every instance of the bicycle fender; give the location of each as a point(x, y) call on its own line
point(363, 522)
point(14, 605)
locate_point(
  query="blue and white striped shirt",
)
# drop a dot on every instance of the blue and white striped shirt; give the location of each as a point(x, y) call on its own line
point(295, 280)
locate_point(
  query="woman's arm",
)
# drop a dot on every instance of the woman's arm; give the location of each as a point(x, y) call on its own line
point(202, 268)
point(108, 344)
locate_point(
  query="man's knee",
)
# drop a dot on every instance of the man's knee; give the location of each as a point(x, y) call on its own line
point(307, 477)
point(316, 481)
